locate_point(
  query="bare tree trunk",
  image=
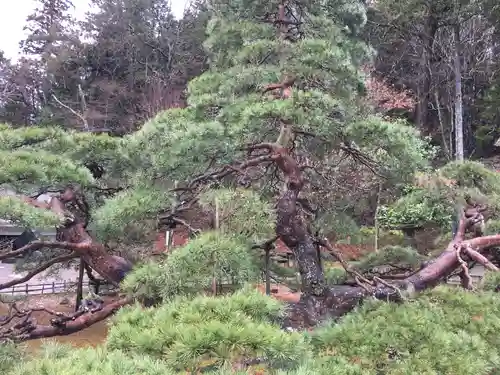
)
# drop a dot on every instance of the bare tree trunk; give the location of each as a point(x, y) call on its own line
point(447, 149)
point(427, 38)
point(459, 130)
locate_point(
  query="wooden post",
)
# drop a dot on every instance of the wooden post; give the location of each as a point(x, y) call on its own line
point(79, 285)
point(268, 278)
point(171, 231)
point(318, 253)
point(27, 289)
point(53, 287)
point(377, 225)
point(217, 223)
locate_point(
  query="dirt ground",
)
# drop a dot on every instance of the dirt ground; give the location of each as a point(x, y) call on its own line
point(92, 336)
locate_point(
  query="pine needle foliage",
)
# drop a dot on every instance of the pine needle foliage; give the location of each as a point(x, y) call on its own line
point(12, 208)
point(403, 257)
point(37, 158)
point(445, 331)
point(433, 199)
point(243, 213)
point(191, 268)
point(186, 333)
point(125, 215)
point(22, 167)
point(10, 355)
point(81, 148)
point(66, 360)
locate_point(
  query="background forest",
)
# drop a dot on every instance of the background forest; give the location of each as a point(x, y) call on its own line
point(130, 59)
point(344, 149)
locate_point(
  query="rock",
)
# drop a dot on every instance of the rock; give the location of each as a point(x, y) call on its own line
point(65, 301)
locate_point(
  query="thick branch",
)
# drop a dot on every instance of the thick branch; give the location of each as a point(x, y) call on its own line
point(37, 245)
point(27, 329)
point(75, 237)
point(337, 300)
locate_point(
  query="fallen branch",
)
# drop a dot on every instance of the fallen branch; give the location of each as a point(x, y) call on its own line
point(27, 329)
point(481, 259)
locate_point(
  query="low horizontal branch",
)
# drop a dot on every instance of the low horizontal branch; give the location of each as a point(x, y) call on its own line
point(37, 270)
point(36, 245)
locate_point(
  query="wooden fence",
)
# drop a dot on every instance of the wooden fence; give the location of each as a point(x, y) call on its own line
point(66, 286)
point(54, 288)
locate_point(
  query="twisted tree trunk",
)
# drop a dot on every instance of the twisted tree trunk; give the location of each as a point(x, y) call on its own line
point(320, 301)
point(73, 236)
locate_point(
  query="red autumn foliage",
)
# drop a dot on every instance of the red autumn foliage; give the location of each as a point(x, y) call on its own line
point(280, 292)
point(181, 237)
point(385, 95)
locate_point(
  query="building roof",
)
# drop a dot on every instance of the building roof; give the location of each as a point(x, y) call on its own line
point(8, 228)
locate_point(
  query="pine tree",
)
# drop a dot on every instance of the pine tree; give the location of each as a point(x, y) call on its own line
point(281, 104)
point(285, 85)
point(48, 28)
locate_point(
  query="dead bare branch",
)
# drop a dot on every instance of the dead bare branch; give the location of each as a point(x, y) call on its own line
point(39, 269)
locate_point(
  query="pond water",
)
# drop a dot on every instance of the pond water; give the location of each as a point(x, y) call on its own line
point(92, 336)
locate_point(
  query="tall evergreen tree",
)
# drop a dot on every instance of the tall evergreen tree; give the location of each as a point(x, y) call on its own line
point(134, 63)
point(48, 28)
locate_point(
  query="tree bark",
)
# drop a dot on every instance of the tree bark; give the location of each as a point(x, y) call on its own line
point(459, 128)
point(73, 236)
point(427, 39)
point(62, 325)
point(336, 301)
point(79, 285)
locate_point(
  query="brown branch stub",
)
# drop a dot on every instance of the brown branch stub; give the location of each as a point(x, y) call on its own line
point(284, 87)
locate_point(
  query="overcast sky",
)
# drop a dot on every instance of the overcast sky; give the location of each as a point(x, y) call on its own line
point(13, 16)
